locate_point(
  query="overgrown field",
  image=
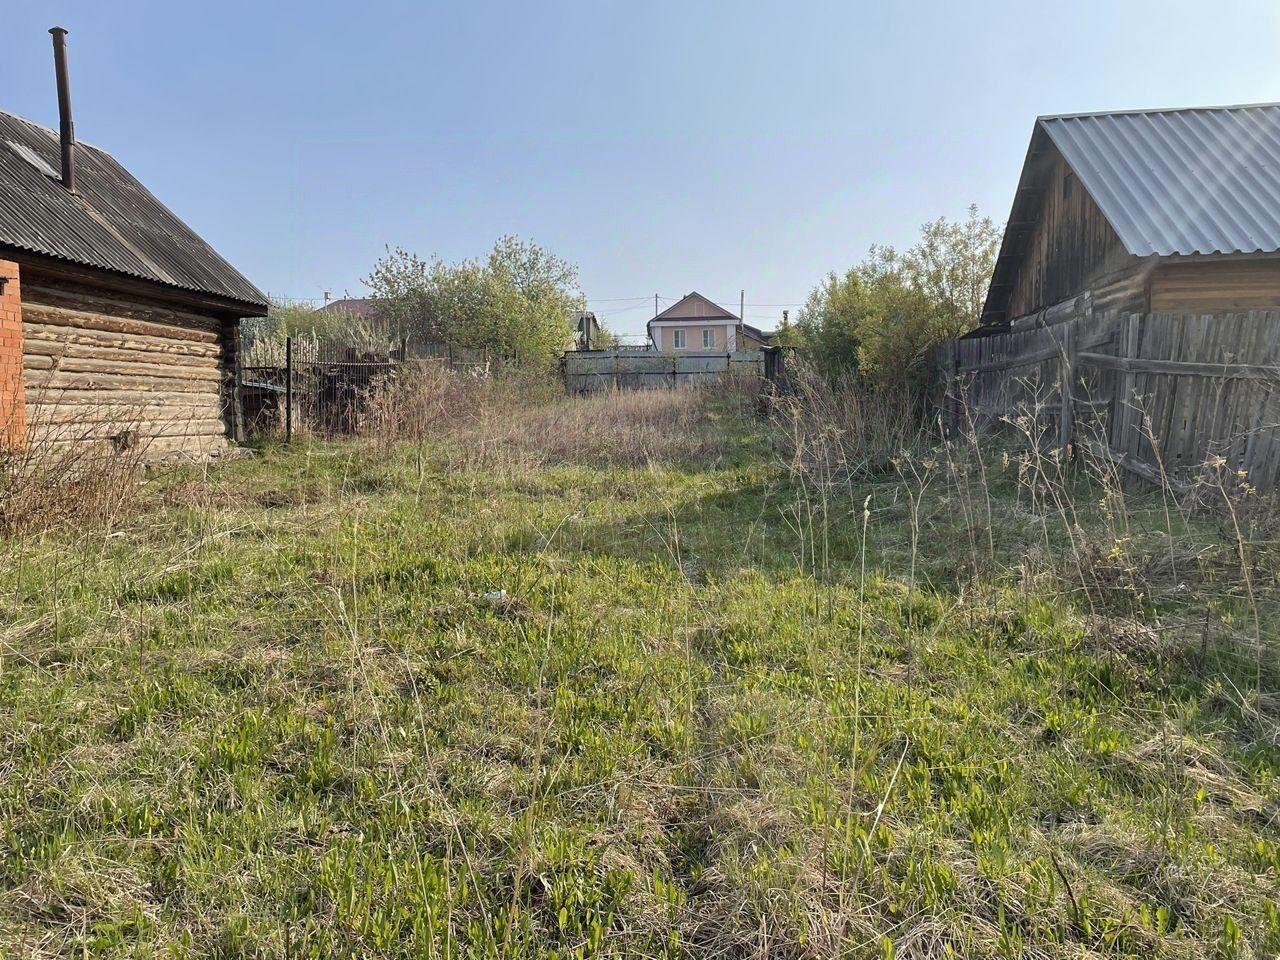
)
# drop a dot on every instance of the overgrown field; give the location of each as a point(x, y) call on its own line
point(685, 686)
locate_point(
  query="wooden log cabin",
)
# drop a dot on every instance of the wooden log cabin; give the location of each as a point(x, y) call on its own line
point(118, 324)
point(1164, 211)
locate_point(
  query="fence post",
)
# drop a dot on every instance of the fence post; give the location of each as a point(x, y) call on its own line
point(1125, 408)
point(955, 412)
point(237, 373)
point(288, 390)
point(1066, 422)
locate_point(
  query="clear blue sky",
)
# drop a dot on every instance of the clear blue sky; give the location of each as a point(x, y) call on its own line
point(662, 146)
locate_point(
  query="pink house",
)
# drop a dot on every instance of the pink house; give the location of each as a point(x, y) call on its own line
point(696, 325)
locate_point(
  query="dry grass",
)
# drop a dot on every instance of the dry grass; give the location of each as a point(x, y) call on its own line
point(512, 420)
point(70, 476)
point(842, 428)
point(527, 678)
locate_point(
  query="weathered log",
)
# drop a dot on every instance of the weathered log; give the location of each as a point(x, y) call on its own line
point(151, 450)
point(106, 428)
point(121, 412)
point(49, 333)
point(82, 319)
point(210, 373)
point(77, 301)
point(97, 397)
point(38, 380)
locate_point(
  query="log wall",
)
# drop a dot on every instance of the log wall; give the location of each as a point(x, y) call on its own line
point(1216, 285)
point(99, 367)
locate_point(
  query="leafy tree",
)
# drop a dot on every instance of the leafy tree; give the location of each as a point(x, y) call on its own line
point(827, 326)
point(952, 264)
point(604, 339)
point(786, 335)
point(516, 302)
point(880, 317)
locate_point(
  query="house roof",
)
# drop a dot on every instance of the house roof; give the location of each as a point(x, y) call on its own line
point(360, 306)
point(113, 223)
point(1194, 181)
point(694, 306)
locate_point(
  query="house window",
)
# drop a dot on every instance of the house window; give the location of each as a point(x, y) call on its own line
point(1068, 184)
point(708, 339)
point(678, 339)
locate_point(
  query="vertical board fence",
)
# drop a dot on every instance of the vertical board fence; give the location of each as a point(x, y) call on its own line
point(1158, 394)
point(589, 371)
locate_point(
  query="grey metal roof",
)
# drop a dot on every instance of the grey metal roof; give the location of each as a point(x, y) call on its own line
point(1192, 181)
point(114, 223)
point(360, 306)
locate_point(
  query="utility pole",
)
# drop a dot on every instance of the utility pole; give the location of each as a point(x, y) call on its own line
point(742, 313)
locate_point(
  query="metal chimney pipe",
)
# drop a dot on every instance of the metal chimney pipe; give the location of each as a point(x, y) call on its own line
point(66, 127)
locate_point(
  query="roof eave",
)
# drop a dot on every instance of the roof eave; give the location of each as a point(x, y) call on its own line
point(128, 281)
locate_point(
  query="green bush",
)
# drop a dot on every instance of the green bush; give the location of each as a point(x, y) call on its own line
point(880, 318)
point(516, 303)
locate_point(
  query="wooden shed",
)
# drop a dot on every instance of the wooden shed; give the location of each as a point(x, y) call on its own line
point(1166, 211)
point(118, 324)
point(1134, 310)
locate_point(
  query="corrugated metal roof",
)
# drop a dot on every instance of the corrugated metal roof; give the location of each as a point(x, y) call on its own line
point(360, 306)
point(1191, 181)
point(114, 223)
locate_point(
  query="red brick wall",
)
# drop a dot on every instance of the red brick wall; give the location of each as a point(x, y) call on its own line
point(13, 423)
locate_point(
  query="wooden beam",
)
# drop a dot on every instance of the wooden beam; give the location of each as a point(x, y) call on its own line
point(1066, 421)
point(1021, 360)
point(1144, 470)
point(1185, 368)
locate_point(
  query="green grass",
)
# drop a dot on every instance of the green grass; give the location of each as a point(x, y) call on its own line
point(284, 712)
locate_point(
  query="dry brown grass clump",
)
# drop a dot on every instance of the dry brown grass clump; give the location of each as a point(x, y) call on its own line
point(81, 482)
point(842, 427)
point(521, 419)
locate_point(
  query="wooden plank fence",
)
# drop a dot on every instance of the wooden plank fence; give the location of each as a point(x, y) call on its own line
point(588, 371)
point(1159, 394)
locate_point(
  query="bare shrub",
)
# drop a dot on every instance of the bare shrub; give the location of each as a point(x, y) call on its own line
point(70, 478)
point(44, 487)
point(847, 427)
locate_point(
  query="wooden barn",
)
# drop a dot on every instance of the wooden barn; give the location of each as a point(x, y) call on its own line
point(1167, 211)
point(118, 324)
point(1134, 309)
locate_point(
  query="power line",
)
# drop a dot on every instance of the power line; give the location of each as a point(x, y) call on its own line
point(638, 306)
point(638, 302)
point(668, 299)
